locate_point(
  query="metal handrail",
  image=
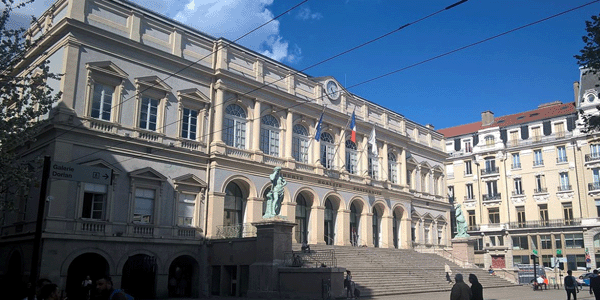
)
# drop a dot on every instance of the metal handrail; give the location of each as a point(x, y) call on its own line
point(318, 258)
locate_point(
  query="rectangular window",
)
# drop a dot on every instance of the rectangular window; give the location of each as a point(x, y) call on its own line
point(544, 214)
point(472, 220)
point(547, 261)
point(490, 165)
point(559, 130)
point(185, 209)
point(479, 244)
point(102, 101)
point(573, 240)
point(520, 260)
point(598, 211)
point(568, 213)
point(521, 216)
point(596, 176)
point(494, 215)
point(557, 241)
point(94, 201)
point(561, 154)
point(518, 187)
point(546, 241)
point(595, 150)
point(514, 138)
point(492, 188)
point(540, 186)
point(537, 158)
point(189, 124)
point(516, 161)
point(468, 147)
point(469, 191)
point(149, 114)
point(536, 134)
point(564, 182)
point(144, 206)
point(520, 242)
point(468, 169)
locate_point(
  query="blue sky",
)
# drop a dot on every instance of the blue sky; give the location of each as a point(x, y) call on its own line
point(510, 74)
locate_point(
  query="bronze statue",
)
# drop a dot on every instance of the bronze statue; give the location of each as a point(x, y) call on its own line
point(461, 223)
point(275, 196)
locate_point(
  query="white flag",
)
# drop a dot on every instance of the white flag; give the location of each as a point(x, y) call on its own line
point(373, 142)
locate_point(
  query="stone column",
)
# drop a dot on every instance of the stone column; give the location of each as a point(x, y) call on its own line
point(289, 124)
point(316, 230)
point(216, 206)
point(387, 232)
point(218, 120)
point(342, 237)
point(367, 229)
point(405, 238)
point(403, 175)
point(273, 239)
point(256, 126)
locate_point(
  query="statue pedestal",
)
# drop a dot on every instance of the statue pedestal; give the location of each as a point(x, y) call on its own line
point(463, 250)
point(273, 239)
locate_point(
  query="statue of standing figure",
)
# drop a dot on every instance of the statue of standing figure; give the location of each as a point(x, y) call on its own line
point(275, 196)
point(461, 223)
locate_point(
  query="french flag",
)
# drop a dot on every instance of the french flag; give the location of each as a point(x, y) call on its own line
point(353, 128)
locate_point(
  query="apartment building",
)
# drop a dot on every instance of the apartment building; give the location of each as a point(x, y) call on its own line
point(190, 127)
point(527, 182)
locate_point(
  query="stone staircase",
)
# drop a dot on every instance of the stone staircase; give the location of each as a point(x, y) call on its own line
point(382, 271)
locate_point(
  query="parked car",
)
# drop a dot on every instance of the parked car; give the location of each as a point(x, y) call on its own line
point(586, 278)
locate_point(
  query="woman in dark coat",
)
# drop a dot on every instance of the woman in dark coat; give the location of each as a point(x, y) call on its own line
point(476, 288)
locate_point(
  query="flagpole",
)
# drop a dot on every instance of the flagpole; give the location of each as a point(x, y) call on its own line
point(312, 135)
point(342, 138)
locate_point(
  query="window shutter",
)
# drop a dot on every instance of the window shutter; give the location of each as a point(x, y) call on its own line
point(547, 129)
point(524, 132)
point(570, 123)
point(475, 139)
point(456, 144)
point(503, 136)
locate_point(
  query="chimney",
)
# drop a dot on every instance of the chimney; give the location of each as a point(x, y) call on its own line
point(576, 92)
point(487, 118)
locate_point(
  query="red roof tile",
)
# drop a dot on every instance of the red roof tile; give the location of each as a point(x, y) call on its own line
point(545, 112)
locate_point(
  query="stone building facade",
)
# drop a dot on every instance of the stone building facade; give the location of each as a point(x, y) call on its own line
point(191, 127)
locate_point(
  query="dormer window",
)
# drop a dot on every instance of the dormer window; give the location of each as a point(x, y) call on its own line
point(489, 140)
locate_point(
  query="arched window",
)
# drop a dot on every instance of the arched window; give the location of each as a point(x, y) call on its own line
point(351, 157)
point(373, 164)
point(354, 224)
point(301, 219)
point(327, 150)
point(392, 168)
point(269, 135)
point(233, 206)
point(300, 141)
point(234, 126)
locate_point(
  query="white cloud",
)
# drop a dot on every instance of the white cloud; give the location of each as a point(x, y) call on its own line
point(306, 14)
point(233, 18)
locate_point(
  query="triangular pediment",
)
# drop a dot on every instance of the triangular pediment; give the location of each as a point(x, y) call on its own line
point(193, 94)
point(107, 67)
point(189, 179)
point(100, 163)
point(411, 160)
point(148, 173)
point(153, 82)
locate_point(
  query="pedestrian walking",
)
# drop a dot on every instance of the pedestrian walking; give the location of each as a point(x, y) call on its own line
point(476, 287)
point(448, 273)
point(460, 290)
point(595, 285)
point(86, 285)
point(570, 285)
point(349, 285)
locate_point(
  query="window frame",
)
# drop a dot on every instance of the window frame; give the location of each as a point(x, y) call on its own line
point(239, 127)
point(270, 136)
point(153, 88)
point(105, 73)
point(193, 99)
point(351, 157)
point(300, 143)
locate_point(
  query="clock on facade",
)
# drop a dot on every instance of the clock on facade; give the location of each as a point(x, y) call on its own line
point(332, 90)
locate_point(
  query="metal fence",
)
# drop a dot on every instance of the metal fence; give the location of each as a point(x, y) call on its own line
point(236, 231)
point(310, 259)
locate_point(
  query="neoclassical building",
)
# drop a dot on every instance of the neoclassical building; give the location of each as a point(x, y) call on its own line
point(529, 181)
point(190, 127)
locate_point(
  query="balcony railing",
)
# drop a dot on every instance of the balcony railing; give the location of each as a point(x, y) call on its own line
point(489, 171)
point(561, 160)
point(467, 198)
point(546, 223)
point(516, 165)
point(467, 173)
point(497, 196)
point(594, 186)
point(564, 187)
point(236, 231)
point(518, 193)
point(539, 162)
point(592, 157)
point(540, 190)
point(540, 139)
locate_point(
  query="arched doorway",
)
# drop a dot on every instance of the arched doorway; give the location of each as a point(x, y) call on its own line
point(183, 274)
point(355, 212)
point(376, 227)
point(397, 228)
point(87, 264)
point(233, 214)
point(302, 214)
point(139, 276)
point(330, 216)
